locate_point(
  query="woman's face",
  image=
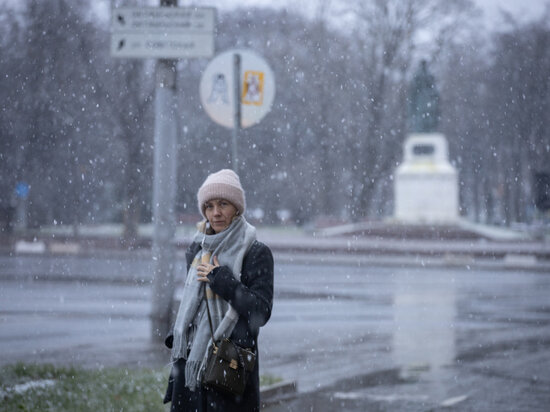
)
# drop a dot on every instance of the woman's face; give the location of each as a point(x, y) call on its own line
point(220, 214)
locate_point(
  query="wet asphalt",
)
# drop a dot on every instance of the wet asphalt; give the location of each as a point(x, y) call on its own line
point(356, 337)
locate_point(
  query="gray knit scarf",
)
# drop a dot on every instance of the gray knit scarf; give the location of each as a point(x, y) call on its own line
point(191, 329)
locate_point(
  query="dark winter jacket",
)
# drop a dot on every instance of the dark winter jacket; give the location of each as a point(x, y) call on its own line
point(252, 298)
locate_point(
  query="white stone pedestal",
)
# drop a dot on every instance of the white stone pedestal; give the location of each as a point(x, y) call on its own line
point(426, 184)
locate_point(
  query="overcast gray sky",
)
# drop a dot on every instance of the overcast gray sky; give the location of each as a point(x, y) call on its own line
point(524, 9)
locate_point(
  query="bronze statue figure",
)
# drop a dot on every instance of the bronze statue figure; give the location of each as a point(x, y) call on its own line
point(423, 113)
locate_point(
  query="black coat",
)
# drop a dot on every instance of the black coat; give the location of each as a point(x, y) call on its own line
point(252, 298)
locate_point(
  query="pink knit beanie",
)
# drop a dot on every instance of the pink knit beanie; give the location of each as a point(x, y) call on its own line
point(224, 184)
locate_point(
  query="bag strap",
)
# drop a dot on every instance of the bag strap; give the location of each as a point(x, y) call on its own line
point(209, 317)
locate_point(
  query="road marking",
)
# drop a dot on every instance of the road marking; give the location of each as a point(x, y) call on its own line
point(453, 401)
point(381, 398)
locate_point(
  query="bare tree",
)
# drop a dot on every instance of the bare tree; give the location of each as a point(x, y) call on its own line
point(519, 92)
point(329, 144)
point(133, 110)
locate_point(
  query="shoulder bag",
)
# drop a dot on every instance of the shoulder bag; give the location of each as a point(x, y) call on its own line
point(228, 364)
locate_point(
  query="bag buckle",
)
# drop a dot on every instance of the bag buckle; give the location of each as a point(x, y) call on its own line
point(233, 364)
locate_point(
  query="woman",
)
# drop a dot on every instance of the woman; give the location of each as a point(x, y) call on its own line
point(238, 273)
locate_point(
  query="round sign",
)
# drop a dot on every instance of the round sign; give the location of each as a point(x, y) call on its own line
point(257, 88)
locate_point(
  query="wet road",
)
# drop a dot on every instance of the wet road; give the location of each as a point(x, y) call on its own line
point(412, 339)
point(354, 338)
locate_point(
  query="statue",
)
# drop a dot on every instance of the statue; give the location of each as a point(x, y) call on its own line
point(423, 115)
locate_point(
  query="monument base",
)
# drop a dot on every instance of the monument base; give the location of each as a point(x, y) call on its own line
point(426, 184)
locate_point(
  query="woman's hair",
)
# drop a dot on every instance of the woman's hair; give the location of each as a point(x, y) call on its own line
point(204, 227)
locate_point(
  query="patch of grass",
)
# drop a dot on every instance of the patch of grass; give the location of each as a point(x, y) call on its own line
point(25, 387)
point(34, 387)
point(266, 380)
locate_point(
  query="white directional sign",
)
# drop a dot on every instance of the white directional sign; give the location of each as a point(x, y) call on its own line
point(257, 88)
point(163, 32)
point(161, 46)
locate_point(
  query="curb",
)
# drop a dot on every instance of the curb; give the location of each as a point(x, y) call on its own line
point(278, 391)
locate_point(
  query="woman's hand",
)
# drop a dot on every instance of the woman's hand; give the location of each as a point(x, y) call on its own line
point(204, 269)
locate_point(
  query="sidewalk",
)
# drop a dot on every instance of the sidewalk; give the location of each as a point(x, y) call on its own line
point(378, 244)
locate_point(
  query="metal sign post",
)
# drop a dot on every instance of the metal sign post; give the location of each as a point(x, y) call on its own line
point(166, 33)
point(236, 109)
point(164, 194)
